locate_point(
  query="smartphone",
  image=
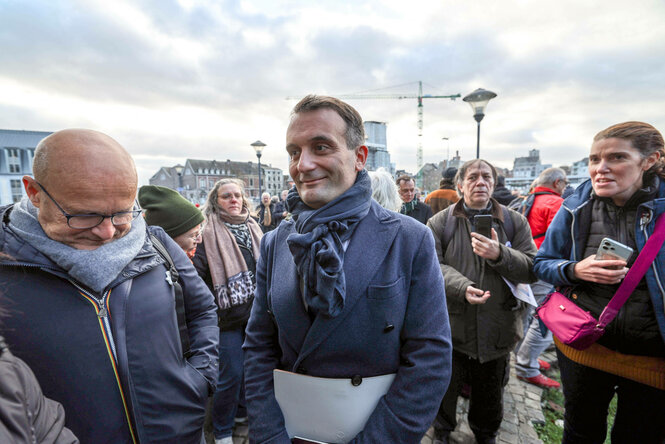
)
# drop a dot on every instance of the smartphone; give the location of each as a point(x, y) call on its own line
point(610, 249)
point(483, 223)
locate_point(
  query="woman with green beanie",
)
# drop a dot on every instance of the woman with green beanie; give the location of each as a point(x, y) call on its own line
point(180, 219)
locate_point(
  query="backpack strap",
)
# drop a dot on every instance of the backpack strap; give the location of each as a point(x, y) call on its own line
point(449, 228)
point(179, 298)
point(508, 226)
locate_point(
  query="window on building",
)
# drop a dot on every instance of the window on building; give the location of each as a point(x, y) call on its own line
point(202, 183)
point(17, 190)
point(13, 160)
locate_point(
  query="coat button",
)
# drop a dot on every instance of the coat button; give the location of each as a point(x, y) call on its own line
point(356, 380)
point(388, 328)
point(302, 370)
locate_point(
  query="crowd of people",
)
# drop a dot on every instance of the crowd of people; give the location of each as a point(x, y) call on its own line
point(126, 311)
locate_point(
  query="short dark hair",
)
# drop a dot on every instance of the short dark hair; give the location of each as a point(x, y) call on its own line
point(355, 131)
point(404, 178)
point(643, 137)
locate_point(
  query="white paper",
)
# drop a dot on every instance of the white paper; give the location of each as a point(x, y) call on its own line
point(522, 292)
point(327, 409)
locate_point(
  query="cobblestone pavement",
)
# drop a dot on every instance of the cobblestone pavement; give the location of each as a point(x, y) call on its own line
point(521, 409)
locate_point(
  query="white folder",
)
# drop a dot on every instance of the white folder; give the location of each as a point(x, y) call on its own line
point(327, 409)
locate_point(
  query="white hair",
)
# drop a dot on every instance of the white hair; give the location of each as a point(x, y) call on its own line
point(384, 190)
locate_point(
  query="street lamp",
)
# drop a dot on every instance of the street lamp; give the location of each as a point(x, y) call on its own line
point(258, 147)
point(478, 101)
point(447, 150)
point(178, 169)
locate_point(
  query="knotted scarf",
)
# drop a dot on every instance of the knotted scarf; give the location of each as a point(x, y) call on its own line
point(317, 246)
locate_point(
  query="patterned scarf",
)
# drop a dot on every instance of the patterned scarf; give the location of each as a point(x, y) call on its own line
point(409, 207)
point(317, 245)
point(231, 281)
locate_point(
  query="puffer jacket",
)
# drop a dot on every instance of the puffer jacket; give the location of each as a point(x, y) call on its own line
point(26, 416)
point(569, 240)
point(118, 369)
point(490, 330)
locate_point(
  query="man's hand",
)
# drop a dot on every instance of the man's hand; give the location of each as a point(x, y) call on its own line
point(484, 247)
point(600, 271)
point(476, 296)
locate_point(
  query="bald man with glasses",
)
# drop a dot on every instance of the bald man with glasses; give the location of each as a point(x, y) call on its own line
point(91, 292)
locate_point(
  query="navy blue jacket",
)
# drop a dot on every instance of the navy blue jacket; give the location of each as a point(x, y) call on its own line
point(566, 239)
point(69, 343)
point(392, 279)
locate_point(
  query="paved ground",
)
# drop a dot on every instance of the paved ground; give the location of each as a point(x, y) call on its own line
point(521, 410)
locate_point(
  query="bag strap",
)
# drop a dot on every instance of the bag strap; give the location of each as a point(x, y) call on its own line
point(634, 276)
point(179, 298)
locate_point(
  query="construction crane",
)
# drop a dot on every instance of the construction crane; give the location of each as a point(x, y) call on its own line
point(420, 96)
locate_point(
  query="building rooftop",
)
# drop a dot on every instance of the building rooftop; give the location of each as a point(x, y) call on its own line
point(20, 138)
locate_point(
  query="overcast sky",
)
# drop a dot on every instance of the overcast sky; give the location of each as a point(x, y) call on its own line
point(204, 79)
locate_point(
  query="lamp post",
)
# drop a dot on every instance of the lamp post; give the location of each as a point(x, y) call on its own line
point(178, 170)
point(258, 147)
point(478, 101)
point(447, 149)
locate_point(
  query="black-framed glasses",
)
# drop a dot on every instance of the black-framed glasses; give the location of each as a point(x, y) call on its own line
point(91, 220)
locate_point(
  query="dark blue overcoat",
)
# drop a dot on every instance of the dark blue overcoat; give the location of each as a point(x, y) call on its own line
point(394, 321)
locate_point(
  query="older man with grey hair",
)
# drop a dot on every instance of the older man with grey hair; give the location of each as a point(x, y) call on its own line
point(91, 294)
point(539, 208)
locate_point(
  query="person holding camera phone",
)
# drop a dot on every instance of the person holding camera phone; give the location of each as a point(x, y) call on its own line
point(480, 242)
point(621, 202)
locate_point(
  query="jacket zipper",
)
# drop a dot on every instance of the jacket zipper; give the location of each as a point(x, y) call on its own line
point(102, 314)
point(101, 308)
point(643, 226)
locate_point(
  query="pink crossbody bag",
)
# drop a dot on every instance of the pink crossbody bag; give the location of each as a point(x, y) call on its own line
point(578, 328)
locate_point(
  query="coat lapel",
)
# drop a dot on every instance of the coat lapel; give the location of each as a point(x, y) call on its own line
point(284, 292)
point(360, 265)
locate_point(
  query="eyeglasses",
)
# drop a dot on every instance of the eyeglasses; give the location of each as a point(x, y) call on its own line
point(197, 236)
point(87, 221)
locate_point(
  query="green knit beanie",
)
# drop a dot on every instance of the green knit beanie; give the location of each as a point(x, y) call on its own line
point(166, 208)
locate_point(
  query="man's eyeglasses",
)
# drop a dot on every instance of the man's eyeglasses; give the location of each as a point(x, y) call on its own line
point(87, 221)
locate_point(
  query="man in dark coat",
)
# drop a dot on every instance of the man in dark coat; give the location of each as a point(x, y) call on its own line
point(411, 206)
point(91, 306)
point(501, 193)
point(345, 289)
point(268, 215)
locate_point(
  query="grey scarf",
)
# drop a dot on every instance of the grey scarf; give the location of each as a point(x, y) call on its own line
point(93, 268)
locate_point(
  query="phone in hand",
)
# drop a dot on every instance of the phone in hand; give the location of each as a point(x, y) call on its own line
point(483, 224)
point(610, 249)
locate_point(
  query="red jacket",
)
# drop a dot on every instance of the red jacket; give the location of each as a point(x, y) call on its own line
point(545, 206)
